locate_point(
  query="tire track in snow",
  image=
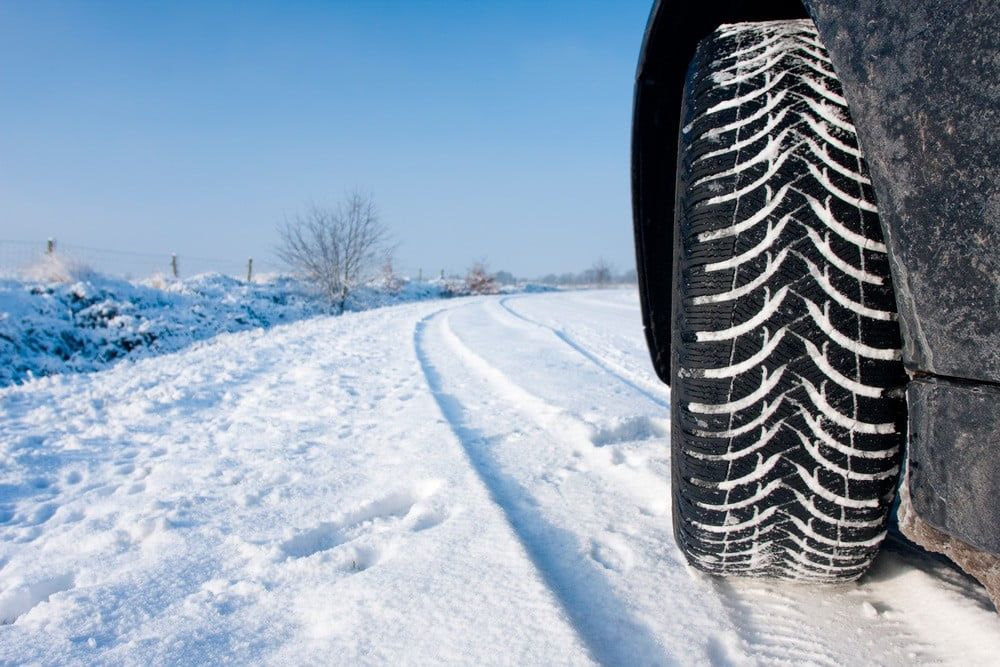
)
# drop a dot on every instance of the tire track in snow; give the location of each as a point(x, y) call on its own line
point(780, 624)
point(583, 438)
point(594, 358)
point(792, 623)
point(602, 620)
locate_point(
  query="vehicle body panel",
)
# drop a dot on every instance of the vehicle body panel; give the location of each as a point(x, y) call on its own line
point(922, 80)
point(954, 470)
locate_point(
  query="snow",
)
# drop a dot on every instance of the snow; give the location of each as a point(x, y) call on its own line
point(60, 317)
point(480, 480)
point(85, 324)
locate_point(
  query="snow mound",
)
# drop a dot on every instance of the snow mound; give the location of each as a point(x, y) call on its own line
point(65, 318)
point(60, 316)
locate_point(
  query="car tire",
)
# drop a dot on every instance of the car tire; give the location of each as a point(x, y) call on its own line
point(787, 410)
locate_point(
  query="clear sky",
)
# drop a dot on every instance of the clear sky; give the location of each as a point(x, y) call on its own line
point(484, 129)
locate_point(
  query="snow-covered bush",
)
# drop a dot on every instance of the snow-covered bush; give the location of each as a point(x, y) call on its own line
point(51, 327)
point(54, 267)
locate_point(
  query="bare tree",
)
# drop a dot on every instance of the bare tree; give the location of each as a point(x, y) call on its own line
point(337, 249)
point(601, 272)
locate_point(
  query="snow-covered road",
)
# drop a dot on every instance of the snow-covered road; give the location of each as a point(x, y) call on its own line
point(478, 481)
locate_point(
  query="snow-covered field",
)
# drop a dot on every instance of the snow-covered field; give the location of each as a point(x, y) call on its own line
point(472, 481)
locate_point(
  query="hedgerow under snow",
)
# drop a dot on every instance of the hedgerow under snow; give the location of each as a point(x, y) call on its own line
point(83, 325)
point(58, 317)
point(82, 321)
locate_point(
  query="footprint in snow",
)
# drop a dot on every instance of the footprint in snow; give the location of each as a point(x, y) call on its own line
point(125, 468)
point(42, 514)
point(428, 518)
point(629, 429)
point(29, 442)
point(363, 527)
point(612, 552)
point(18, 600)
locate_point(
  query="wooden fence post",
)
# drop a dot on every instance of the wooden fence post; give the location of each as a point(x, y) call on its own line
point(173, 264)
point(50, 246)
point(250, 269)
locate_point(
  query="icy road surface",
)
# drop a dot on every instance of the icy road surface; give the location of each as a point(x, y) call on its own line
point(477, 481)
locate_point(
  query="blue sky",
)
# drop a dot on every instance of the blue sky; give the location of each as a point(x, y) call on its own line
point(495, 130)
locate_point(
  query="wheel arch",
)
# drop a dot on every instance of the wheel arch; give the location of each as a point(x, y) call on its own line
point(918, 123)
point(674, 29)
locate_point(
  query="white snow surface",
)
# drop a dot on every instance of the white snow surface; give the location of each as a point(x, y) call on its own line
point(472, 481)
point(58, 319)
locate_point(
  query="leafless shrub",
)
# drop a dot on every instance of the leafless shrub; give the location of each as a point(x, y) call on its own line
point(336, 249)
point(480, 281)
point(391, 282)
point(600, 273)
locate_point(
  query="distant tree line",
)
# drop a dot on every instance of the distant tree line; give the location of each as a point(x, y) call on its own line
point(600, 274)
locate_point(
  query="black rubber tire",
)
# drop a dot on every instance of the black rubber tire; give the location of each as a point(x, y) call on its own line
point(787, 409)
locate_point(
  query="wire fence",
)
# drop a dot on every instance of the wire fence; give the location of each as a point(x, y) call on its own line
point(20, 258)
point(31, 259)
